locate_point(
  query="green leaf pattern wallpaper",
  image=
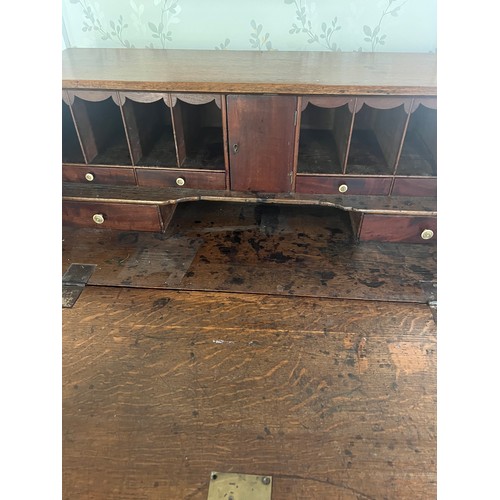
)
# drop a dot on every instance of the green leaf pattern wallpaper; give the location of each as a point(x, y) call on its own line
point(328, 25)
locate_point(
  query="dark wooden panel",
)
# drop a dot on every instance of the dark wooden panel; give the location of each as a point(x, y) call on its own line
point(102, 175)
point(334, 399)
point(261, 142)
point(167, 178)
point(397, 228)
point(421, 186)
point(116, 216)
point(320, 184)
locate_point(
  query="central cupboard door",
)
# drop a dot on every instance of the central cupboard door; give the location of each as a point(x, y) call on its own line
point(261, 132)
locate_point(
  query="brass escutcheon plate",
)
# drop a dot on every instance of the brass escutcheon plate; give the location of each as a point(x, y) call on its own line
point(235, 486)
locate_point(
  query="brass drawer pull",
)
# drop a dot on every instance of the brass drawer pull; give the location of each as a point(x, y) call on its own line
point(343, 188)
point(98, 218)
point(89, 177)
point(427, 234)
point(180, 181)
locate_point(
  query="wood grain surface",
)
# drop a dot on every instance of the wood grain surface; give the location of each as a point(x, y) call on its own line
point(228, 71)
point(307, 251)
point(335, 399)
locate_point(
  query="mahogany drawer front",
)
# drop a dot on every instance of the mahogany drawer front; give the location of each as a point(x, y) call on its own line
point(398, 228)
point(98, 175)
point(421, 186)
point(317, 184)
point(124, 216)
point(157, 177)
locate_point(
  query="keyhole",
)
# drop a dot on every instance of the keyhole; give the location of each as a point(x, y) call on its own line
point(236, 148)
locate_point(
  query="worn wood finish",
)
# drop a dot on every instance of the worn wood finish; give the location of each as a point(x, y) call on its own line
point(284, 72)
point(261, 139)
point(251, 248)
point(165, 196)
point(160, 388)
point(356, 185)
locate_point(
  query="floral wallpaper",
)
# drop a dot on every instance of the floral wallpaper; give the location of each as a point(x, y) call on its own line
point(335, 25)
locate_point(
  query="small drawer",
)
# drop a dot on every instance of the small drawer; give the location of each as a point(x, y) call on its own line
point(158, 177)
point(415, 186)
point(398, 228)
point(317, 184)
point(98, 175)
point(124, 216)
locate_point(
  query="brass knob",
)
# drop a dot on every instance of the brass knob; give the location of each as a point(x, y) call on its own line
point(180, 181)
point(98, 218)
point(89, 177)
point(427, 234)
point(343, 188)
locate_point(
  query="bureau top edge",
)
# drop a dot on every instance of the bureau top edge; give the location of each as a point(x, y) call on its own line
point(224, 71)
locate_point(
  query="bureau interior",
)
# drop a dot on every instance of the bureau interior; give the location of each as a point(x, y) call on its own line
point(332, 140)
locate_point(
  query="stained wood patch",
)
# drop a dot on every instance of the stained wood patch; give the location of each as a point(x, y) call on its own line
point(333, 399)
point(307, 251)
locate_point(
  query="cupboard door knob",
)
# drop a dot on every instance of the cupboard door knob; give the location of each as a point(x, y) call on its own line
point(89, 177)
point(343, 188)
point(236, 148)
point(180, 181)
point(427, 234)
point(98, 218)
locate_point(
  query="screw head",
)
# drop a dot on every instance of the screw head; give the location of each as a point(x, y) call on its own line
point(266, 480)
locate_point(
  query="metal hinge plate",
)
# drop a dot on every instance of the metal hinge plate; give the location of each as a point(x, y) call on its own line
point(73, 281)
point(234, 486)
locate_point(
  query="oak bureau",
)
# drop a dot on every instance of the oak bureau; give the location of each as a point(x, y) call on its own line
point(145, 129)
